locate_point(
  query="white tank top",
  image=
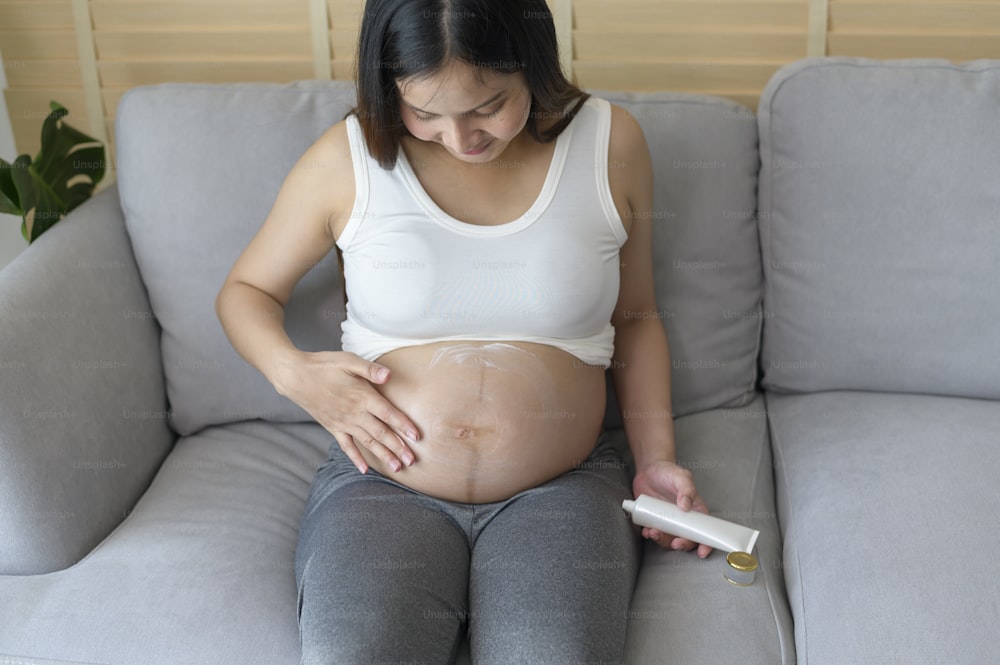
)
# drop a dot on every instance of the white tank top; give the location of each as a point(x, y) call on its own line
point(416, 275)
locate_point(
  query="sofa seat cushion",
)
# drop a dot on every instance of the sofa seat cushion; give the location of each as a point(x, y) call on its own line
point(888, 505)
point(201, 571)
point(683, 609)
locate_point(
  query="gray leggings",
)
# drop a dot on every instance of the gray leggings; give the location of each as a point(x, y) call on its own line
point(389, 575)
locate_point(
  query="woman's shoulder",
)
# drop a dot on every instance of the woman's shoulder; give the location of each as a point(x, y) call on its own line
point(325, 172)
point(626, 132)
point(333, 147)
point(630, 170)
point(329, 157)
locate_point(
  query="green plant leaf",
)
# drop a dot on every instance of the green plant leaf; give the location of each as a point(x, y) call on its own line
point(71, 162)
point(86, 168)
point(50, 130)
point(42, 208)
point(63, 175)
point(9, 200)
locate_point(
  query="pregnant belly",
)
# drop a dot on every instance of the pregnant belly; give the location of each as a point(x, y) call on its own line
point(495, 418)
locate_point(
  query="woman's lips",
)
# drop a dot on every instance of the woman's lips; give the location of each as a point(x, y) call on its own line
point(479, 150)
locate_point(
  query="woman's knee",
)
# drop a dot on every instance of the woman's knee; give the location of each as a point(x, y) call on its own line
point(381, 576)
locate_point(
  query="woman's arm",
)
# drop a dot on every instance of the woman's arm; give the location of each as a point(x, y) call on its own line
point(641, 363)
point(332, 386)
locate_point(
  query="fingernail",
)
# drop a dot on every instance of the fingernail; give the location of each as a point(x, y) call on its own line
point(396, 466)
point(411, 434)
point(408, 459)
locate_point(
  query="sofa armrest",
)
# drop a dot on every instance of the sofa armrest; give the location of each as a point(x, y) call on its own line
point(82, 401)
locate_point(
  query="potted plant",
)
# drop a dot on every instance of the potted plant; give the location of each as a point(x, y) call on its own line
point(62, 176)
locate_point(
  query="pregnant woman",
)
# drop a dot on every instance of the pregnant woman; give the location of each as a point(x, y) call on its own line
point(494, 225)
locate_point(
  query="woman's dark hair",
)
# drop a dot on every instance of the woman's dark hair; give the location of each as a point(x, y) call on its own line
point(413, 38)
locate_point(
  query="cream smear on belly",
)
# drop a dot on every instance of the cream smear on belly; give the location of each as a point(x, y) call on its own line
point(485, 354)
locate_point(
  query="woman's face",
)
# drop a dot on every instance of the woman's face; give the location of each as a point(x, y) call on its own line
point(473, 114)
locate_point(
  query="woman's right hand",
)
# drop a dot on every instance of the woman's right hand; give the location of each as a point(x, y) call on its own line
point(335, 388)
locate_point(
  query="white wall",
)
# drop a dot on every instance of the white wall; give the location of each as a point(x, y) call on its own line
point(11, 242)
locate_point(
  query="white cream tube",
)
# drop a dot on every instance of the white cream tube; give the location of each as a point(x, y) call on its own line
point(698, 527)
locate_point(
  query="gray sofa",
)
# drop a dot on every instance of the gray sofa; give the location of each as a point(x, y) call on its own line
point(827, 275)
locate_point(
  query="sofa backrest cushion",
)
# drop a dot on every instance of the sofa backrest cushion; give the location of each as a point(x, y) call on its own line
point(706, 252)
point(879, 208)
point(200, 166)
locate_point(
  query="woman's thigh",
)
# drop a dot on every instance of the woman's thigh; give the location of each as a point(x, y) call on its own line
point(553, 570)
point(382, 574)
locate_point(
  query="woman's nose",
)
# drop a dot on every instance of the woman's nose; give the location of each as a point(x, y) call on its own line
point(460, 136)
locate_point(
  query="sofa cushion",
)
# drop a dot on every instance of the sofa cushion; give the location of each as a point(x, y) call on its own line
point(201, 571)
point(879, 226)
point(81, 391)
point(199, 167)
point(706, 251)
point(888, 506)
point(683, 606)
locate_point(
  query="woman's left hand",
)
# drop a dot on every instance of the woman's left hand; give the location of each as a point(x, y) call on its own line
point(673, 483)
